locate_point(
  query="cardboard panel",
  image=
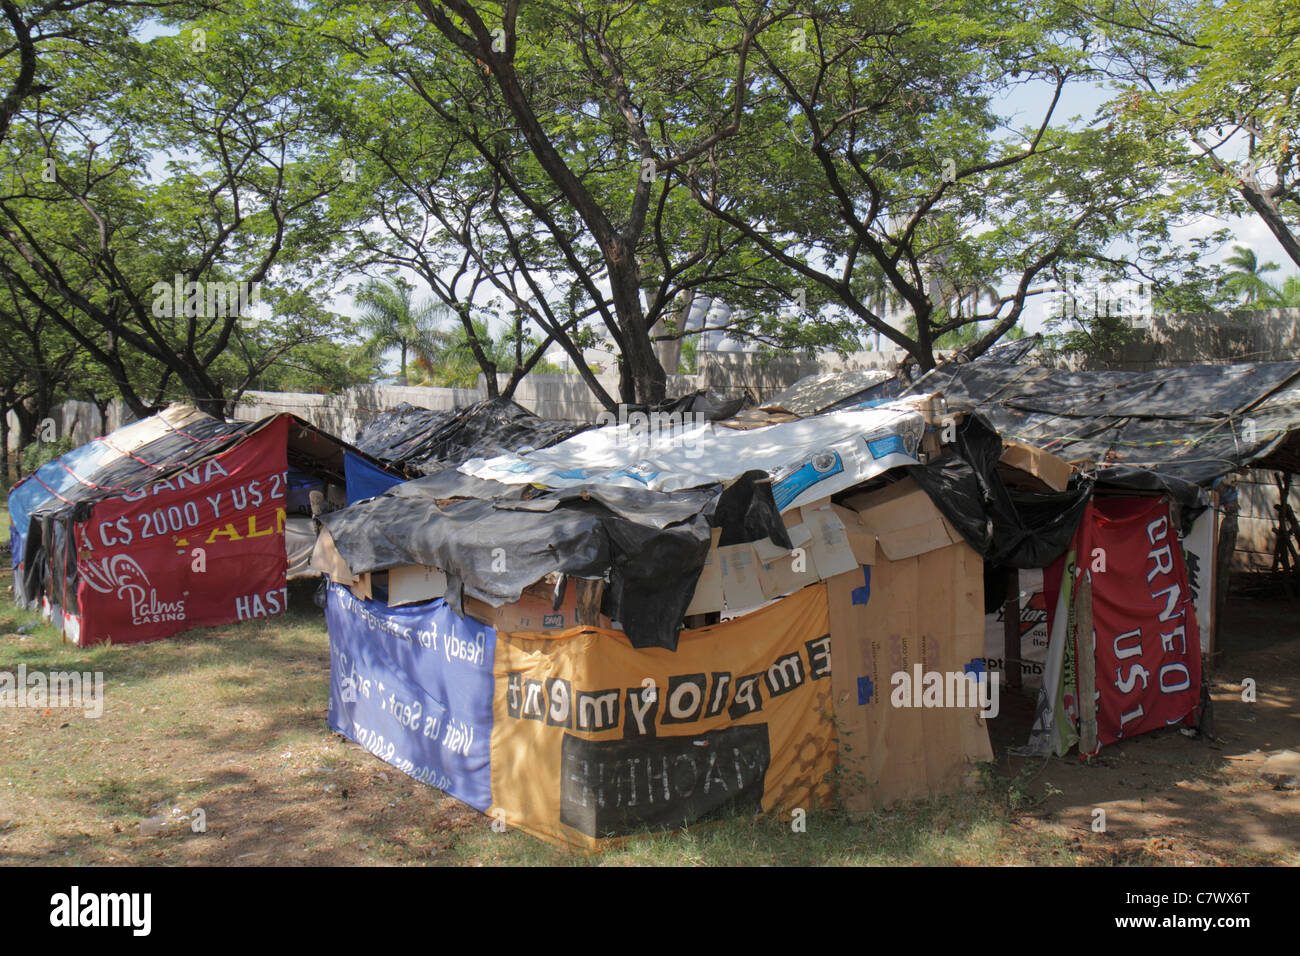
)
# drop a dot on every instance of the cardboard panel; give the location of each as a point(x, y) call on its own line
point(1041, 465)
point(861, 721)
point(886, 619)
point(967, 615)
point(829, 544)
point(861, 541)
point(787, 574)
point(533, 613)
point(740, 585)
point(414, 583)
point(903, 519)
point(708, 591)
point(768, 551)
point(940, 649)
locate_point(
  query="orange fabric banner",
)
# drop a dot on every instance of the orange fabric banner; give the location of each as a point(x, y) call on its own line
point(594, 740)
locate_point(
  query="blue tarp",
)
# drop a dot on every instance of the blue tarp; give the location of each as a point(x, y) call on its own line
point(413, 685)
point(364, 480)
point(52, 478)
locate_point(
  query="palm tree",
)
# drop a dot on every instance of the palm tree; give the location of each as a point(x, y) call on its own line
point(453, 364)
point(1284, 296)
point(391, 318)
point(1246, 277)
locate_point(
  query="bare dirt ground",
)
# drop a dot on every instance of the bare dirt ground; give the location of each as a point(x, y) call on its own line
point(1169, 798)
point(231, 722)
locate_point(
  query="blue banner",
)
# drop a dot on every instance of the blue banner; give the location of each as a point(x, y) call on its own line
point(413, 685)
point(364, 480)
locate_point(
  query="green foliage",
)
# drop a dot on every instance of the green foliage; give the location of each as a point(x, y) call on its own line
point(39, 453)
point(1210, 89)
point(1245, 278)
point(169, 156)
point(828, 172)
point(392, 318)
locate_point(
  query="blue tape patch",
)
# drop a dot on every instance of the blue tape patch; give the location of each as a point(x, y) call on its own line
point(863, 594)
point(976, 667)
point(866, 690)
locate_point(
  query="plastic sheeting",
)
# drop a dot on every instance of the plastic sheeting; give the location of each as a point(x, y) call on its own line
point(651, 544)
point(422, 441)
point(1008, 526)
point(808, 460)
point(1167, 429)
point(364, 480)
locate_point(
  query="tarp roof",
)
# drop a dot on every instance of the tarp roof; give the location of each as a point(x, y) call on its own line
point(422, 441)
point(808, 459)
point(151, 450)
point(632, 501)
point(493, 540)
point(1189, 424)
point(830, 390)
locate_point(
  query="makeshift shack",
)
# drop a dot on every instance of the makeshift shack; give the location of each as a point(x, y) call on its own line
point(176, 521)
point(1131, 605)
point(631, 629)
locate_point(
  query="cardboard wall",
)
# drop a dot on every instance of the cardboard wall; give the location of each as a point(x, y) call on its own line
point(917, 610)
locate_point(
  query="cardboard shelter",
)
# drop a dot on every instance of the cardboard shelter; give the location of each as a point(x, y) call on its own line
point(179, 520)
point(546, 710)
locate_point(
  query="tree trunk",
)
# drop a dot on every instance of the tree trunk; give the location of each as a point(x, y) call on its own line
point(924, 353)
point(6, 479)
point(1267, 211)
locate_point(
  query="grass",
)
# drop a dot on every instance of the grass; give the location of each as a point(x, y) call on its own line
point(228, 725)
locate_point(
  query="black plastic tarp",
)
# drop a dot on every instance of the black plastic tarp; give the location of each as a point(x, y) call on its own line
point(421, 441)
point(494, 540)
point(1008, 526)
point(1166, 429)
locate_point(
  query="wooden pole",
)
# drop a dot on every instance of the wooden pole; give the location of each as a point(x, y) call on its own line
point(1011, 631)
point(1085, 640)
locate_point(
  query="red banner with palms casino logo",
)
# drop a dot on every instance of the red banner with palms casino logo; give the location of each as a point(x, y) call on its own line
point(148, 562)
point(1148, 654)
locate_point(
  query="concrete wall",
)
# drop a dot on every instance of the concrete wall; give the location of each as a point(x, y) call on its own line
point(1267, 335)
point(81, 420)
point(344, 414)
point(761, 377)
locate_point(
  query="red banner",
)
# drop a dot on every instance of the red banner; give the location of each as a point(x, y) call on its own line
point(1148, 654)
point(204, 547)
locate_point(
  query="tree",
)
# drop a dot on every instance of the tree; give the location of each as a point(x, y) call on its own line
point(899, 179)
point(1211, 88)
point(36, 367)
point(455, 362)
point(425, 200)
point(1246, 275)
point(391, 318)
point(43, 41)
point(1285, 296)
point(152, 270)
point(586, 91)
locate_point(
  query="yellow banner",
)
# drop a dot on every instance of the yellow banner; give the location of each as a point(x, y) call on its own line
point(594, 739)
